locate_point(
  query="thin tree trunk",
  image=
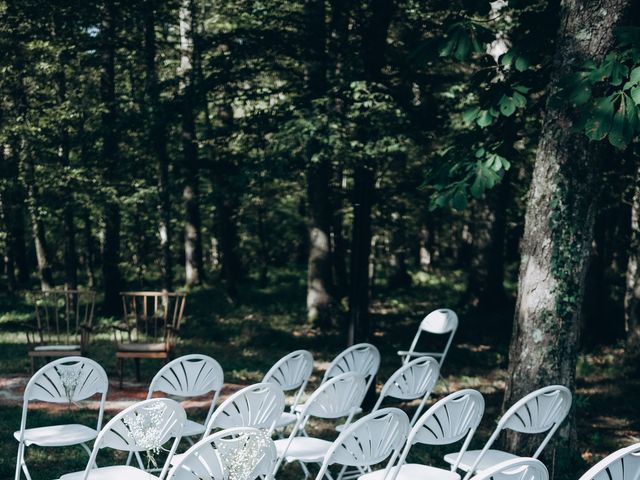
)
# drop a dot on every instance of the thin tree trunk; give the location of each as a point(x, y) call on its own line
point(70, 254)
point(632, 293)
point(559, 227)
point(363, 191)
point(158, 141)
point(112, 221)
point(194, 272)
point(5, 224)
point(374, 39)
point(89, 250)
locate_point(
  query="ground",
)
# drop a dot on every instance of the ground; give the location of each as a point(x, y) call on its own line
point(248, 336)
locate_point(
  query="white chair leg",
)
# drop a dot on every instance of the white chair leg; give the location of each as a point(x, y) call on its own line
point(18, 461)
point(305, 470)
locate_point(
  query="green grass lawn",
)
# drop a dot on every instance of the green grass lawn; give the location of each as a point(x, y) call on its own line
point(248, 336)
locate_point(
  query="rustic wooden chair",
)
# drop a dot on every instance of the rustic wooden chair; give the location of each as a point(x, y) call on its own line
point(63, 323)
point(150, 328)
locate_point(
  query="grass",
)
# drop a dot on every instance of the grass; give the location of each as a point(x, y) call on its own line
point(248, 336)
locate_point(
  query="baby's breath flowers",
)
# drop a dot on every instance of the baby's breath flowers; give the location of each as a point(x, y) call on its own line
point(70, 377)
point(145, 427)
point(242, 455)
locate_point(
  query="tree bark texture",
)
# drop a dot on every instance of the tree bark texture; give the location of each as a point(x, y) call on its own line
point(632, 292)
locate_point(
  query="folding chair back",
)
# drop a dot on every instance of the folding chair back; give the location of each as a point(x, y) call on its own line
point(438, 322)
point(362, 358)
point(369, 441)
point(623, 464)
point(242, 452)
point(413, 380)
point(258, 406)
point(145, 426)
point(291, 372)
point(516, 469)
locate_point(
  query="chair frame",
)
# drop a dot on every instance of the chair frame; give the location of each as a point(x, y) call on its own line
point(164, 328)
point(353, 429)
point(335, 368)
point(432, 413)
point(211, 439)
point(400, 374)
point(450, 327)
point(513, 411)
point(39, 392)
point(181, 417)
point(213, 385)
point(303, 411)
point(54, 327)
point(604, 465)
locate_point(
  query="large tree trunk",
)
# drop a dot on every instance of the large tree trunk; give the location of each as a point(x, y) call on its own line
point(194, 271)
point(632, 293)
point(158, 141)
point(111, 248)
point(559, 226)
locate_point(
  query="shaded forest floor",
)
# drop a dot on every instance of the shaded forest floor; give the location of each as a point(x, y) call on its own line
point(248, 336)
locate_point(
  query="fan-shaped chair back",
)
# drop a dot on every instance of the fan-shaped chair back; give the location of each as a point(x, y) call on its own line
point(362, 358)
point(292, 372)
point(413, 380)
point(449, 420)
point(258, 406)
point(516, 469)
point(540, 411)
point(242, 452)
point(190, 376)
point(623, 464)
point(145, 426)
point(369, 441)
point(339, 397)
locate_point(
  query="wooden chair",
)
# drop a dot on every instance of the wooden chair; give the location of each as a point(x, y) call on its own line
point(150, 328)
point(63, 323)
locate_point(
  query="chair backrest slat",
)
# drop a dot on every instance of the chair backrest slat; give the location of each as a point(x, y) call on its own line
point(362, 358)
point(623, 464)
point(521, 468)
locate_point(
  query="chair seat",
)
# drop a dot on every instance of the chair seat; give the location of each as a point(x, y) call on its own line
point(57, 435)
point(287, 418)
point(489, 459)
point(121, 472)
point(56, 348)
point(142, 347)
point(413, 471)
point(303, 449)
point(192, 428)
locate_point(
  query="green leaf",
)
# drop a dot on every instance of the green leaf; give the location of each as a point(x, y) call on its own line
point(522, 64)
point(580, 95)
point(521, 88)
point(507, 58)
point(634, 76)
point(470, 115)
point(617, 132)
point(599, 122)
point(459, 200)
point(519, 99)
point(484, 119)
point(507, 106)
point(480, 152)
point(635, 95)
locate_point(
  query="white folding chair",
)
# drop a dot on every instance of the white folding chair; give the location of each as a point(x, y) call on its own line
point(523, 468)
point(448, 421)
point(243, 453)
point(291, 372)
point(66, 380)
point(190, 376)
point(338, 397)
point(144, 427)
point(438, 322)
point(369, 441)
point(623, 464)
point(411, 381)
point(538, 412)
point(362, 358)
